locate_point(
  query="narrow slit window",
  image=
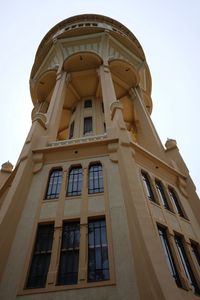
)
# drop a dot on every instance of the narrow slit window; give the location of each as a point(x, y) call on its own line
point(41, 257)
point(168, 255)
point(95, 179)
point(69, 254)
point(161, 194)
point(87, 125)
point(176, 202)
point(75, 181)
point(54, 184)
point(71, 130)
point(186, 265)
point(148, 187)
point(98, 265)
point(195, 251)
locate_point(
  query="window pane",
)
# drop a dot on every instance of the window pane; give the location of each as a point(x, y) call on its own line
point(175, 201)
point(69, 255)
point(88, 103)
point(161, 194)
point(71, 130)
point(87, 125)
point(186, 265)
point(54, 184)
point(195, 252)
point(168, 255)
point(147, 186)
point(41, 257)
point(95, 179)
point(98, 266)
point(75, 182)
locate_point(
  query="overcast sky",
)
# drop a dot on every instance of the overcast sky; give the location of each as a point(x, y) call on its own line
point(169, 32)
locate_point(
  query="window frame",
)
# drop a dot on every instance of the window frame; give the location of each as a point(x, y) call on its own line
point(176, 202)
point(48, 194)
point(87, 128)
point(92, 175)
point(163, 199)
point(147, 185)
point(79, 181)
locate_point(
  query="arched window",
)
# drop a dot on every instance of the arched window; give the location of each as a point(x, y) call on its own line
point(75, 181)
point(147, 186)
point(54, 184)
point(95, 183)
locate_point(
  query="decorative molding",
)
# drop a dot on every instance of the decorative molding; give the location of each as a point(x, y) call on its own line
point(112, 150)
point(182, 184)
point(41, 119)
point(38, 162)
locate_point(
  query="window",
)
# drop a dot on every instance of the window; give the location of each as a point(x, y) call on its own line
point(75, 181)
point(195, 251)
point(186, 265)
point(41, 257)
point(102, 107)
point(87, 103)
point(69, 254)
point(87, 125)
point(54, 184)
point(147, 186)
point(176, 201)
point(71, 130)
point(161, 194)
point(98, 266)
point(168, 255)
point(95, 179)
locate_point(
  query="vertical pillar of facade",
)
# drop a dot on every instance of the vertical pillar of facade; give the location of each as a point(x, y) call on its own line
point(108, 92)
point(147, 135)
point(56, 105)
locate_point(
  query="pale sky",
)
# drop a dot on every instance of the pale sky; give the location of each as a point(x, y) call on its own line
point(169, 32)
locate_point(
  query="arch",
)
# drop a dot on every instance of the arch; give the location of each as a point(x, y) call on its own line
point(95, 178)
point(75, 180)
point(83, 60)
point(54, 183)
point(44, 86)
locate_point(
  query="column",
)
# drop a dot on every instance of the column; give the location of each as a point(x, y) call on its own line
point(147, 136)
point(56, 105)
point(108, 92)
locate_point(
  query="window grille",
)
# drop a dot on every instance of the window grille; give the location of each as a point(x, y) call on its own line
point(95, 179)
point(75, 181)
point(41, 257)
point(54, 184)
point(98, 265)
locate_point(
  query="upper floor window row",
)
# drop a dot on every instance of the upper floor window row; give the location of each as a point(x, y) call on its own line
point(75, 180)
point(159, 194)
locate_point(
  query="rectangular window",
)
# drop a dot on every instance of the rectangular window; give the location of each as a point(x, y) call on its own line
point(175, 201)
point(41, 257)
point(161, 194)
point(71, 130)
point(98, 266)
point(95, 183)
point(69, 254)
point(168, 255)
point(87, 103)
point(147, 186)
point(87, 125)
point(195, 251)
point(186, 265)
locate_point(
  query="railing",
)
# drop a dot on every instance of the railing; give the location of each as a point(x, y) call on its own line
point(85, 139)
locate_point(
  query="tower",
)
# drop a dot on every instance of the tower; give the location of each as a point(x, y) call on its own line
point(96, 207)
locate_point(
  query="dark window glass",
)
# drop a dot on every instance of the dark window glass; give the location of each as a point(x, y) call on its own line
point(41, 257)
point(54, 184)
point(88, 103)
point(102, 107)
point(69, 254)
point(186, 265)
point(87, 125)
point(161, 194)
point(195, 251)
point(71, 130)
point(98, 265)
point(95, 179)
point(175, 200)
point(104, 127)
point(75, 182)
point(147, 186)
point(168, 255)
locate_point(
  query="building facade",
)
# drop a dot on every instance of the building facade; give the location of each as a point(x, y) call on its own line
point(96, 207)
